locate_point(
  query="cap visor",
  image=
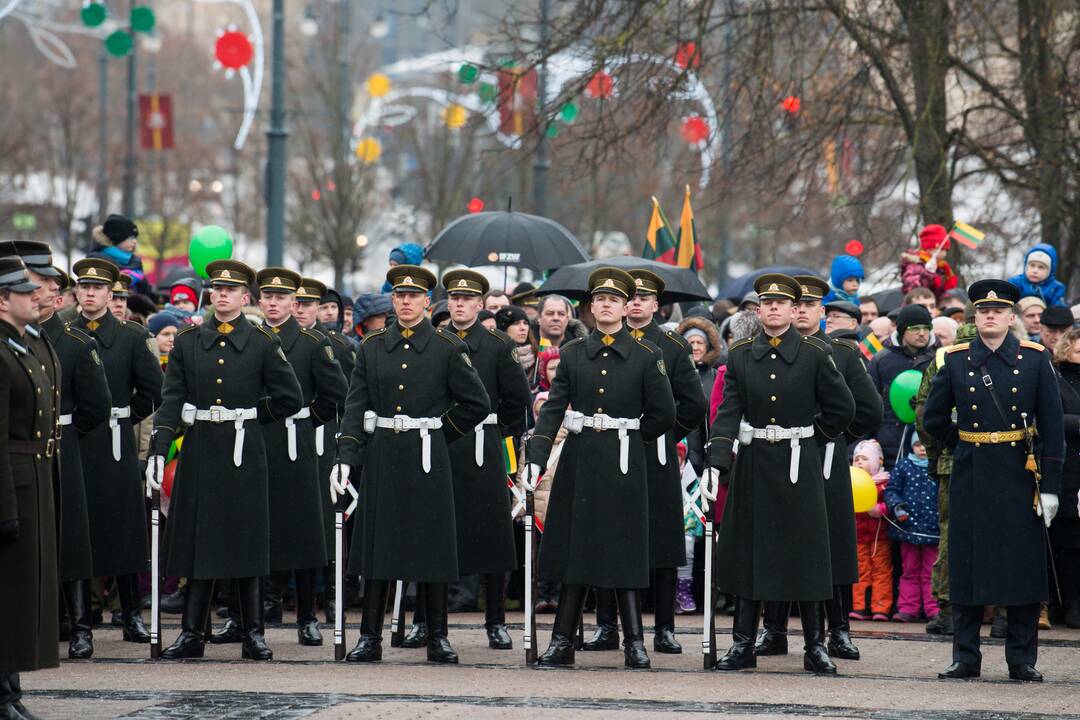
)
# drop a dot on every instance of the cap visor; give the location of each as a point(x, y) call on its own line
point(610, 291)
point(24, 287)
point(44, 270)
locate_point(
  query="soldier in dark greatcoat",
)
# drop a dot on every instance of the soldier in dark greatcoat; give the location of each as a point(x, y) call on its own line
point(28, 559)
point(114, 491)
point(612, 393)
point(783, 399)
point(413, 391)
point(838, 500)
point(226, 380)
point(997, 402)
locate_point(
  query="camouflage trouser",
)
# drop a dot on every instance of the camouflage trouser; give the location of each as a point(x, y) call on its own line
point(939, 579)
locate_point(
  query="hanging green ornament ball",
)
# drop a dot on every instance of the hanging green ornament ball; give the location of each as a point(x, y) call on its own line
point(487, 92)
point(119, 43)
point(552, 131)
point(93, 14)
point(467, 74)
point(569, 112)
point(142, 19)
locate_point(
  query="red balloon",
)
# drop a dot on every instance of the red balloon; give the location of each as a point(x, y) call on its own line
point(695, 129)
point(475, 205)
point(233, 50)
point(167, 478)
point(853, 247)
point(688, 56)
point(601, 85)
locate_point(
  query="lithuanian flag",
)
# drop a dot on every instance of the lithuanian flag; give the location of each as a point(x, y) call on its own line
point(870, 346)
point(659, 240)
point(966, 235)
point(509, 453)
point(688, 252)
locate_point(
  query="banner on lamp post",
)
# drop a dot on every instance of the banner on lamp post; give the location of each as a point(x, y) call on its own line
point(155, 122)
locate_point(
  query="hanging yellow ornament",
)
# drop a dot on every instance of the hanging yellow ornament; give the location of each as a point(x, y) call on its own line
point(368, 151)
point(378, 85)
point(455, 116)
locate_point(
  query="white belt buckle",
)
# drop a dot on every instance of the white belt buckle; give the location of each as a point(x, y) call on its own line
point(215, 414)
point(772, 433)
point(399, 423)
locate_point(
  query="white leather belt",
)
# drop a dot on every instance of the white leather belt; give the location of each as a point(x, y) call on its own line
point(661, 449)
point(66, 419)
point(115, 415)
point(404, 423)
point(491, 419)
point(830, 449)
point(575, 422)
point(320, 440)
point(775, 433)
point(217, 414)
point(290, 429)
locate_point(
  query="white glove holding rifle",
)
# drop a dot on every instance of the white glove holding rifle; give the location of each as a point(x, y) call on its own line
point(710, 486)
point(1049, 507)
point(530, 476)
point(155, 472)
point(339, 480)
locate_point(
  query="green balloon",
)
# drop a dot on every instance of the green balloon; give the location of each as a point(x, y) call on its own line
point(142, 19)
point(93, 14)
point(119, 43)
point(209, 244)
point(902, 394)
point(569, 112)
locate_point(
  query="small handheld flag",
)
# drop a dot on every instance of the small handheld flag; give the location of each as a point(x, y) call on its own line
point(688, 252)
point(966, 235)
point(870, 346)
point(659, 240)
point(509, 453)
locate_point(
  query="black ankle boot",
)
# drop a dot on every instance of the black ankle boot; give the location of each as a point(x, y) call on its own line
point(254, 642)
point(773, 637)
point(191, 642)
point(417, 635)
point(634, 654)
point(273, 601)
point(369, 646)
point(495, 612)
point(307, 624)
point(836, 612)
point(561, 649)
point(606, 636)
point(438, 646)
point(232, 630)
point(741, 653)
point(81, 636)
point(816, 658)
point(127, 586)
point(665, 581)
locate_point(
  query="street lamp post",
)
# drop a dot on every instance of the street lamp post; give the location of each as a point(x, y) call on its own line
point(128, 198)
point(541, 164)
point(277, 136)
point(103, 134)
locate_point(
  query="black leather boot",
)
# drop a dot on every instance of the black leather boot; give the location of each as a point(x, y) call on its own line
point(816, 658)
point(273, 602)
point(561, 649)
point(369, 646)
point(81, 637)
point(191, 642)
point(307, 624)
point(606, 636)
point(634, 654)
point(330, 603)
point(127, 586)
point(417, 635)
point(665, 580)
point(251, 606)
point(232, 631)
point(836, 612)
point(15, 688)
point(773, 637)
point(438, 646)
point(495, 612)
point(741, 653)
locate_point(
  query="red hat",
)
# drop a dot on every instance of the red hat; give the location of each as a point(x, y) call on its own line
point(182, 292)
point(933, 237)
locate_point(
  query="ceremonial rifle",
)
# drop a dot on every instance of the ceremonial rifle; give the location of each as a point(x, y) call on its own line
point(155, 562)
point(1032, 466)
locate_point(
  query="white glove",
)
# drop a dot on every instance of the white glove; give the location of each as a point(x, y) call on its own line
point(155, 471)
point(710, 485)
point(1049, 507)
point(530, 477)
point(339, 480)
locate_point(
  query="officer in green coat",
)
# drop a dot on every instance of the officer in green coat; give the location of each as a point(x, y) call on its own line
point(783, 400)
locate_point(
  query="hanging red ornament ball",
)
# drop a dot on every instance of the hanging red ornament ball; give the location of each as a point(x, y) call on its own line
point(791, 104)
point(316, 195)
point(853, 247)
point(601, 85)
point(695, 129)
point(475, 205)
point(233, 50)
point(688, 56)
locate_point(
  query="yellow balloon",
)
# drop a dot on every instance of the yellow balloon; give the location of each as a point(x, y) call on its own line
point(863, 490)
point(378, 85)
point(454, 116)
point(369, 150)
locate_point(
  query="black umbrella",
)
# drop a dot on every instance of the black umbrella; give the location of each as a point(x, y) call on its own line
point(506, 238)
point(736, 287)
point(681, 284)
point(888, 300)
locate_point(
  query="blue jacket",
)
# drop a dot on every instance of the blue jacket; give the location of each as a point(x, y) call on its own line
point(913, 487)
point(1051, 290)
point(843, 267)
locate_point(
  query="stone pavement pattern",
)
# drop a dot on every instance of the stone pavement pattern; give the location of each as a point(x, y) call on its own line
point(896, 679)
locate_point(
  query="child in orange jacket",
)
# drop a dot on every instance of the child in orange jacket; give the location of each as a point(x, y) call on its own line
point(875, 548)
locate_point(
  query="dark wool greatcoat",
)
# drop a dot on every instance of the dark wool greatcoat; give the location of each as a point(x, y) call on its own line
point(597, 527)
point(84, 394)
point(667, 547)
point(405, 525)
point(485, 531)
point(997, 546)
point(219, 516)
point(114, 490)
point(297, 530)
point(28, 566)
point(774, 537)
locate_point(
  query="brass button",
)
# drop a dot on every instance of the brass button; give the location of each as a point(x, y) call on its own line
point(972, 388)
point(400, 387)
point(1016, 372)
point(978, 444)
point(601, 391)
point(772, 420)
point(1013, 426)
point(971, 373)
point(1012, 443)
point(603, 372)
point(772, 376)
point(38, 390)
point(398, 408)
point(974, 407)
point(974, 425)
point(218, 401)
point(218, 381)
point(772, 356)
point(599, 409)
point(39, 413)
point(406, 346)
point(1019, 357)
point(1014, 389)
point(773, 398)
point(38, 433)
point(1014, 408)
point(38, 457)
point(222, 343)
point(605, 354)
point(221, 361)
point(404, 365)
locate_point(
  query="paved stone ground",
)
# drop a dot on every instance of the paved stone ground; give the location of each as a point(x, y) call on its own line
point(895, 680)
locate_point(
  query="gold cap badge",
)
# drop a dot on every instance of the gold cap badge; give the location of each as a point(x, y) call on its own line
point(225, 274)
point(609, 283)
point(991, 295)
